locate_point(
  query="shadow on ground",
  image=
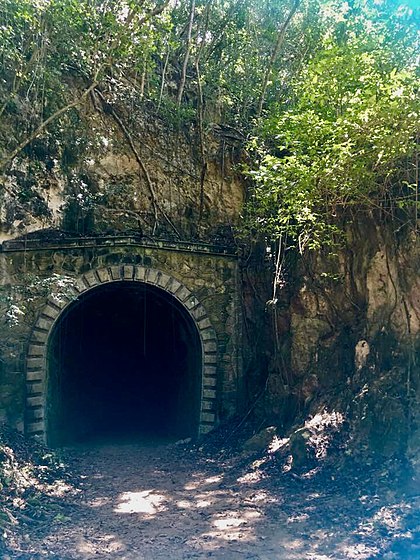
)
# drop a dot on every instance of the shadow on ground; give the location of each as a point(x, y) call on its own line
point(154, 500)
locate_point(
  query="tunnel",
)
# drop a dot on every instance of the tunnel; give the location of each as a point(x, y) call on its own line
point(124, 362)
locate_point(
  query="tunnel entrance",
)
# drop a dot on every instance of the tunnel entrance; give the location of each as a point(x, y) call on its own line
point(124, 361)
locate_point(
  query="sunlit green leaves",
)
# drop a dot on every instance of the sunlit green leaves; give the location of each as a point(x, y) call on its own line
point(347, 141)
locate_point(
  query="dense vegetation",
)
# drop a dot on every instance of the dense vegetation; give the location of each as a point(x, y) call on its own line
point(348, 139)
point(323, 93)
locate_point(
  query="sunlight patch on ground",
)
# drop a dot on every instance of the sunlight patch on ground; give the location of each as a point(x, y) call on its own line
point(230, 526)
point(233, 519)
point(203, 503)
point(389, 516)
point(230, 519)
point(229, 522)
point(213, 479)
point(104, 542)
point(215, 496)
point(192, 485)
point(184, 504)
point(360, 551)
point(297, 518)
point(294, 544)
point(145, 501)
point(250, 478)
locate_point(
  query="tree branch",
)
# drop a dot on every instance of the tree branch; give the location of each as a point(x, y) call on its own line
point(280, 40)
point(155, 12)
point(187, 55)
point(44, 124)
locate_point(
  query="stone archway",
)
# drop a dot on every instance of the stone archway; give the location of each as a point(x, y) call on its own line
point(36, 364)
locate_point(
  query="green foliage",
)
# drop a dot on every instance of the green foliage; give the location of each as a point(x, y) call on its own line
point(348, 139)
point(339, 111)
point(51, 50)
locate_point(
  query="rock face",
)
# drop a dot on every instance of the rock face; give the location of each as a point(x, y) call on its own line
point(347, 327)
point(349, 340)
point(152, 179)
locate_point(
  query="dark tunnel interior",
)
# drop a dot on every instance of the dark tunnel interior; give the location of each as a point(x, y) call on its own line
point(124, 361)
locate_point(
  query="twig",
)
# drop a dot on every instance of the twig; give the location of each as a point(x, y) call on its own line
point(280, 40)
point(187, 55)
point(44, 124)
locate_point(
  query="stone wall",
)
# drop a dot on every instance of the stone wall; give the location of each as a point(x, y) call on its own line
point(33, 272)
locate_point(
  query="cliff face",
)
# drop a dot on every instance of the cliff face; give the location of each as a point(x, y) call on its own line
point(348, 341)
point(120, 170)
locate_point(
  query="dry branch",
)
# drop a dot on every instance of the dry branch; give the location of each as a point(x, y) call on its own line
point(280, 40)
point(187, 55)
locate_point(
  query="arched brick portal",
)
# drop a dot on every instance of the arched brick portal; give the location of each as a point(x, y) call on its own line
point(36, 365)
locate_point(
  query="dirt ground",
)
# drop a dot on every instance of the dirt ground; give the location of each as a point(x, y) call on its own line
point(153, 500)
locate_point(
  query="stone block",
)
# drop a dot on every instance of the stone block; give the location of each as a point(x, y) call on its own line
point(204, 323)
point(103, 275)
point(163, 280)
point(191, 302)
point(35, 401)
point(210, 346)
point(208, 417)
point(183, 293)
point(35, 414)
point(80, 286)
point(35, 350)
point(36, 427)
point(173, 286)
point(33, 389)
point(209, 381)
point(35, 375)
point(44, 323)
point(140, 273)
point(152, 276)
point(115, 272)
point(208, 334)
point(210, 359)
point(207, 405)
point(51, 311)
point(209, 394)
point(210, 370)
point(128, 272)
point(35, 363)
point(40, 336)
point(90, 279)
point(60, 302)
point(199, 312)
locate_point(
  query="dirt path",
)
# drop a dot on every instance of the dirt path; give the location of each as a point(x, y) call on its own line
point(152, 502)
